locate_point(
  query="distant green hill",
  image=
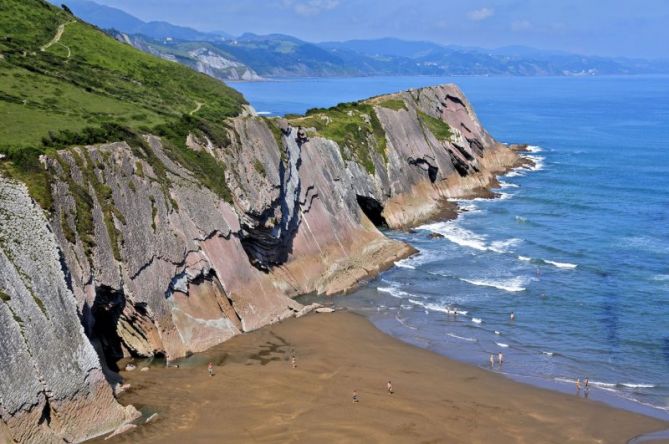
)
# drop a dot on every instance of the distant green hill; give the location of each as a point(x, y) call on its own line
point(65, 82)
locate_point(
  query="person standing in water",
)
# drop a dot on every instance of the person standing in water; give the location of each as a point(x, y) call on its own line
point(492, 360)
point(500, 359)
point(512, 316)
point(578, 385)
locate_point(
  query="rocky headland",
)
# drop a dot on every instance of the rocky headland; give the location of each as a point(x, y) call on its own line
point(138, 258)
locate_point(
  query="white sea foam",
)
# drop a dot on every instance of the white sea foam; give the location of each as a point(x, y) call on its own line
point(548, 353)
point(504, 196)
point(498, 332)
point(507, 185)
point(521, 219)
point(452, 335)
point(534, 149)
point(469, 208)
point(571, 381)
point(517, 172)
point(525, 258)
point(512, 285)
point(466, 238)
point(395, 292)
point(501, 344)
point(631, 385)
point(504, 245)
point(538, 162)
point(661, 277)
point(403, 264)
point(602, 384)
point(477, 320)
point(438, 308)
point(563, 265)
point(458, 235)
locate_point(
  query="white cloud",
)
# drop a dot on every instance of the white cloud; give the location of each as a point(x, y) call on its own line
point(521, 25)
point(480, 14)
point(311, 7)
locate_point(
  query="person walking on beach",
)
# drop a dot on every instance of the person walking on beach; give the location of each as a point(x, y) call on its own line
point(500, 359)
point(210, 369)
point(578, 385)
point(492, 360)
point(355, 397)
point(389, 387)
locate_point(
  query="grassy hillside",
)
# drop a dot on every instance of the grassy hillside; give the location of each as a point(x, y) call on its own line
point(64, 82)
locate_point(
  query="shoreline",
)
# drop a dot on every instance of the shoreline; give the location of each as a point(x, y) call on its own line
point(257, 395)
point(451, 210)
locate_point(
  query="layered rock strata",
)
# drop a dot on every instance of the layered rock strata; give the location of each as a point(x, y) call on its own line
point(159, 265)
point(52, 388)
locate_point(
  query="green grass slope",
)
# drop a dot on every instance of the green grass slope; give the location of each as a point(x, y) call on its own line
point(65, 82)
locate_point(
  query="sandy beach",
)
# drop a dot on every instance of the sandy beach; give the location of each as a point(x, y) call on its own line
point(257, 396)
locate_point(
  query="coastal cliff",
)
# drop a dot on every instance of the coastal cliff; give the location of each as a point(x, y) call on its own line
point(157, 264)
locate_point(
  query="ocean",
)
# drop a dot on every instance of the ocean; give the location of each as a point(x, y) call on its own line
point(577, 247)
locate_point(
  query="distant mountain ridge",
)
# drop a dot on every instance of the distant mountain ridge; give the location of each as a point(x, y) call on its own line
point(254, 57)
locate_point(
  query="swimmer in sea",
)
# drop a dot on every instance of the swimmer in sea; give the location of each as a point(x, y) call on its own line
point(512, 316)
point(492, 360)
point(578, 385)
point(500, 359)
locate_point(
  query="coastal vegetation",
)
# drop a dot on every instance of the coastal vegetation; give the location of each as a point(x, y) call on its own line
point(439, 129)
point(394, 104)
point(65, 83)
point(354, 126)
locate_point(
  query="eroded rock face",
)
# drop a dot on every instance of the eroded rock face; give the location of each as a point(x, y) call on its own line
point(52, 388)
point(176, 269)
point(159, 265)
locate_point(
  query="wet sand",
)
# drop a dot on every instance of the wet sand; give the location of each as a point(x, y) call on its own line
point(256, 395)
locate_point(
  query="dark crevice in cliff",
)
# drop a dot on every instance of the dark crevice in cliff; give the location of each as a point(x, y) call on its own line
point(460, 165)
point(45, 417)
point(425, 165)
point(373, 210)
point(456, 100)
point(100, 323)
point(224, 300)
point(477, 146)
point(267, 238)
point(464, 152)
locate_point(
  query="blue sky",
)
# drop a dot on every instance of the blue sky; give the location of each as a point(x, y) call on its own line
point(605, 27)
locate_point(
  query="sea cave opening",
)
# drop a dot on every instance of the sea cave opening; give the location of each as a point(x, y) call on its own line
point(102, 330)
point(373, 209)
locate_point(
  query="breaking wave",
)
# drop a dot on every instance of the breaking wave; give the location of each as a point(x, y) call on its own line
point(438, 308)
point(513, 285)
point(466, 238)
point(452, 335)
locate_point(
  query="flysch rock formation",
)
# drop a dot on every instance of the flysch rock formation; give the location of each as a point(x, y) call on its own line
point(52, 388)
point(168, 268)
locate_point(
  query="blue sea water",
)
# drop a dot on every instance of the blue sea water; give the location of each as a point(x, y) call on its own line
point(578, 247)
